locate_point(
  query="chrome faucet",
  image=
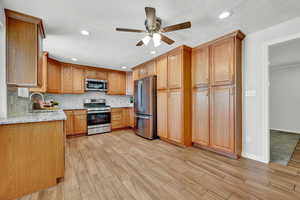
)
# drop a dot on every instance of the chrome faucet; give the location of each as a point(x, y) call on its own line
point(31, 105)
point(36, 93)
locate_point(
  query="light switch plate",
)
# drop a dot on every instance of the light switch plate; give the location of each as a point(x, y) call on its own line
point(250, 93)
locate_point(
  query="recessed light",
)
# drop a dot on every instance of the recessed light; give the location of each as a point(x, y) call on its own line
point(124, 67)
point(84, 32)
point(74, 59)
point(153, 52)
point(224, 15)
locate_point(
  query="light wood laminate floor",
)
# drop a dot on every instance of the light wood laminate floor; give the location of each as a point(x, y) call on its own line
point(121, 165)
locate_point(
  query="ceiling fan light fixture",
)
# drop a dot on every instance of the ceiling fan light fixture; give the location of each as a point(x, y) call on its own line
point(146, 40)
point(225, 15)
point(156, 39)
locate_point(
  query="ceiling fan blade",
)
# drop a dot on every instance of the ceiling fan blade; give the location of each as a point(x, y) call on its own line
point(150, 17)
point(140, 43)
point(167, 39)
point(130, 30)
point(177, 27)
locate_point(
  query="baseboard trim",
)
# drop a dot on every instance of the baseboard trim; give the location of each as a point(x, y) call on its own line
point(254, 157)
point(284, 130)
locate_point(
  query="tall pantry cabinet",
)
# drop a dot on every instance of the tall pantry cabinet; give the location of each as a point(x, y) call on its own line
point(217, 95)
point(174, 96)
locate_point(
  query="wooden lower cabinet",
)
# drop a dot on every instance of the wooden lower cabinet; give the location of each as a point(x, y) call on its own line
point(200, 117)
point(32, 157)
point(120, 118)
point(222, 118)
point(162, 113)
point(76, 123)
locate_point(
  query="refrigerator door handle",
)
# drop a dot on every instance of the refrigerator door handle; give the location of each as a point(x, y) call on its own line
point(143, 117)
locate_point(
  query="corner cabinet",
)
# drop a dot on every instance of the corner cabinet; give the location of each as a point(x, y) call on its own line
point(217, 95)
point(24, 56)
point(174, 96)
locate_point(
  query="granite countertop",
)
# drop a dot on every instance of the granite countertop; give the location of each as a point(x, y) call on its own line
point(34, 117)
point(83, 108)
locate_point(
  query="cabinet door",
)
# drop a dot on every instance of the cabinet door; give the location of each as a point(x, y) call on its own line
point(142, 71)
point(22, 53)
point(175, 122)
point(90, 74)
point(129, 83)
point(175, 70)
point(200, 128)
point(78, 80)
point(54, 76)
point(116, 83)
point(222, 118)
point(222, 62)
point(44, 69)
point(200, 67)
point(80, 122)
point(117, 118)
point(67, 79)
point(162, 72)
point(69, 123)
point(150, 68)
point(101, 75)
point(162, 113)
point(132, 117)
point(135, 74)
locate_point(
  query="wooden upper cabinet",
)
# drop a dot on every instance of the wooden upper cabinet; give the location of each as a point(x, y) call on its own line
point(175, 116)
point(142, 71)
point(200, 116)
point(54, 76)
point(78, 80)
point(116, 83)
point(200, 67)
point(162, 113)
point(129, 83)
point(67, 78)
point(44, 71)
point(90, 74)
point(135, 74)
point(150, 68)
point(162, 72)
point(175, 72)
point(24, 49)
point(222, 118)
point(222, 62)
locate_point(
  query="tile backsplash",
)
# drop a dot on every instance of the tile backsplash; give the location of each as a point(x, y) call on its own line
point(18, 105)
point(68, 101)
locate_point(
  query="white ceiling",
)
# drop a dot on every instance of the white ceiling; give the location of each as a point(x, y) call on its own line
point(105, 47)
point(285, 54)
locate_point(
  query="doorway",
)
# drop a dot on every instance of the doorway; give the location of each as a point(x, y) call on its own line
point(284, 102)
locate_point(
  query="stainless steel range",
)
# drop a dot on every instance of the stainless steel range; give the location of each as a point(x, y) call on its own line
point(98, 116)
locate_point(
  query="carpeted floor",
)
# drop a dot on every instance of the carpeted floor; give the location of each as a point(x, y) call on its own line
point(282, 146)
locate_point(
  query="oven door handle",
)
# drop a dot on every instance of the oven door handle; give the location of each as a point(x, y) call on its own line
point(96, 112)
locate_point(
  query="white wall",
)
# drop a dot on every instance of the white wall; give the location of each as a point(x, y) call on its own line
point(285, 98)
point(3, 91)
point(255, 142)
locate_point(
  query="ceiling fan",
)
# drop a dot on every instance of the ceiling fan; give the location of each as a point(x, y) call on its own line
point(154, 30)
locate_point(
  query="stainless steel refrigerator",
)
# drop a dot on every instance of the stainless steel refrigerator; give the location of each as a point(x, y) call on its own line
point(145, 107)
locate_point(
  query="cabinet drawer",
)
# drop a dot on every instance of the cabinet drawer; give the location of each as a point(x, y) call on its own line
point(79, 112)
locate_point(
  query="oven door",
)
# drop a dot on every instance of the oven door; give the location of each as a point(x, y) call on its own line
point(95, 85)
point(98, 118)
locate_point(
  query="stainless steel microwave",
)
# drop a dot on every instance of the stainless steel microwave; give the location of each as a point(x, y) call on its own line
point(95, 85)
